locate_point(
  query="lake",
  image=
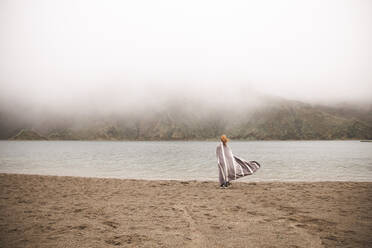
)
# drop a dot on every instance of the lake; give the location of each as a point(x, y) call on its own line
point(189, 160)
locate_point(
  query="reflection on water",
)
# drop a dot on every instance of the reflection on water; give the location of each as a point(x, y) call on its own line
point(189, 160)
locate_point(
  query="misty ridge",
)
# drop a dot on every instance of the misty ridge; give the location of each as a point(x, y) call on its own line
point(128, 70)
point(181, 113)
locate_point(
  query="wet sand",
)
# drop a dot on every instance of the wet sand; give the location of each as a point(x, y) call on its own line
point(50, 211)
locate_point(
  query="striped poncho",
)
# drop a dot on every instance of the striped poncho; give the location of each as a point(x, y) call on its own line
point(231, 167)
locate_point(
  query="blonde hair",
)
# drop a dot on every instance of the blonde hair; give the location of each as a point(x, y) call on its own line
point(224, 139)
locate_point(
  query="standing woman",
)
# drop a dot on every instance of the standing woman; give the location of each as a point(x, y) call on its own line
point(231, 167)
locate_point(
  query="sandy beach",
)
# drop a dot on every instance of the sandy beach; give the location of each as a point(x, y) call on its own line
point(51, 211)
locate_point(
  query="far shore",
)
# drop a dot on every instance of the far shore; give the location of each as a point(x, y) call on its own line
point(59, 211)
point(180, 140)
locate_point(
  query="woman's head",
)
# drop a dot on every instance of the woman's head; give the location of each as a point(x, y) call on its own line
point(224, 139)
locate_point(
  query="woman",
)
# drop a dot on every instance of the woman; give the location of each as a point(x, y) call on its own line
point(231, 167)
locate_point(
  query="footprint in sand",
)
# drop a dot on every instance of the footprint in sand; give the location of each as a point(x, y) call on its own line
point(301, 225)
point(111, 224)
point(135, 238)
point(78, 210)
point(81, 227)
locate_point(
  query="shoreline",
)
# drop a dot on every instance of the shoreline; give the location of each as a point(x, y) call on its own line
point(183, 140)
point(241, 180)
point(69, 211)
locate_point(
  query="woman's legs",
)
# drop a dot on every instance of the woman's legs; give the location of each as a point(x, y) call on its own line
point(225, 184)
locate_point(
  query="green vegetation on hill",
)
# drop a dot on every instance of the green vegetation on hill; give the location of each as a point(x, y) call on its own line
point(300, 123)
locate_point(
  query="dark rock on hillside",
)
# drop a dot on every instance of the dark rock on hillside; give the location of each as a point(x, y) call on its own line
point(28, 135)
point(63, 134)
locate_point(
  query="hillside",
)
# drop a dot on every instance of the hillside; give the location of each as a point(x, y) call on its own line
point(277, 120)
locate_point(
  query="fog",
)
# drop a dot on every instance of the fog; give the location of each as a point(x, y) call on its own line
point(126, 55)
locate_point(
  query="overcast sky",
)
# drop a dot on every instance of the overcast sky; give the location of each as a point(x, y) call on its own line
point(62, 51)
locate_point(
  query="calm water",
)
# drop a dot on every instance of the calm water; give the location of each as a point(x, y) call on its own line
point(281, 160)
